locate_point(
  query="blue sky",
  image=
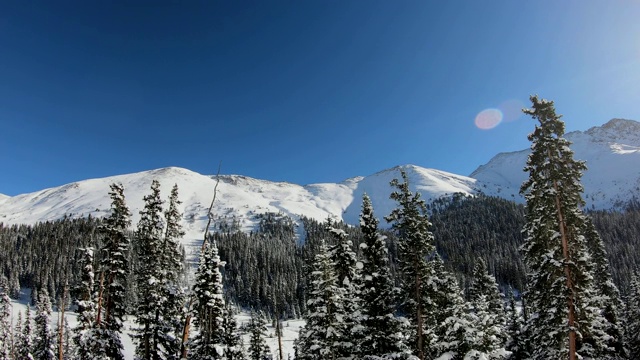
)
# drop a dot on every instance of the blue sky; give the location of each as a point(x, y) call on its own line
point(299, 91)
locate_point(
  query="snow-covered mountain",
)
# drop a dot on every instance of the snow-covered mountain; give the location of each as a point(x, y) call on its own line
point(239, 198)
point(612, 154)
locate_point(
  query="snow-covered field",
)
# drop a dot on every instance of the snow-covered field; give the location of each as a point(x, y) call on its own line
point(289, 332)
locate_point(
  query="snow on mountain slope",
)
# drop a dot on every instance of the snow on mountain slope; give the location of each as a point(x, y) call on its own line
point(612, 154)
point(3, 197)
point(431, 183)
point(239, 198)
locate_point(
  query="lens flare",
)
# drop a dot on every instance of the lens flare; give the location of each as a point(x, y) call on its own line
point(488, 119)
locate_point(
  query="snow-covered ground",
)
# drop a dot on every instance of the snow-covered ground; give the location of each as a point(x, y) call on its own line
point(291, 328)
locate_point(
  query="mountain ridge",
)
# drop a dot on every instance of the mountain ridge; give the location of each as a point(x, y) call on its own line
point(612, 152)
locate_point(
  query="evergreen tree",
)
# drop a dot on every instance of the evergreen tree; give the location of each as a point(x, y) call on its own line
point(632, 333)
point(115, 268)
point(149, 236)
point(172, 293)
point(349, 284)
point(25, 345)
point(209, 307)
point(382, 333)
point(564, 321)
point(515, 342)
point(488, 308)
point(17, 336)
point(607, 299)
point(232, 342)
point(415, 246)
point(43, 340)
point(450, 328)
point(67, 346)
point(320, 337)
point(5, 323)
point(258, 349)
point(85, 308)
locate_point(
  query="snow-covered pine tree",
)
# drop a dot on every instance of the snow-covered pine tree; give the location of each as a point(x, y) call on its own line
point(450, 329)
point(172, 293)
point(632, 333)
point(24, 349)
point(115, 269)
point(319, 338)
point(17, 335)
point(382, 335)
point(515, 342)
point(488, 307)
point(608, 297)
point(43, 339)
point(208, 307)
point(415, 246)
point(258, 348)
point(563, 322)
point(349, 283)
point(232, 341)
point(5, 323)
point(85, 308)
point(149, 236)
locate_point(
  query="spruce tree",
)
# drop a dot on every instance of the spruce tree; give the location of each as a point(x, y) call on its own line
point(349, 284)
point(43, 339)
point(564, 322)
point(232, 341)
point(415, 246)
point(515, 341)
point(320, 337)
point(5, 323)
point(172, 293)
point(115, 269)
point(488, 307)
point(607, 300)
point(149, 237)
point(258, 348)
point(632, 333)
point(209, 307)
point(382, 333)
point(85, 308)
point(25, 346)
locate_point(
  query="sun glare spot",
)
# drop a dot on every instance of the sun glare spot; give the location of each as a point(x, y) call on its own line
point(488, 119)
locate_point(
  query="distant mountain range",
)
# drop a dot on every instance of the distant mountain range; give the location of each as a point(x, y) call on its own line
point(612, 153)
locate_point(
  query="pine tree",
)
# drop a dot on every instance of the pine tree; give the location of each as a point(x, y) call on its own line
point(382, 333)
point(115, 268)
point(349, 284)
point(5, 323)
point(67, 346)
point(560, 293)
point(17, 336)
point(149, 235)
point(209, 307)
point(488, 308)
point(632, 333)
point(515, 342)
point(232, 342)
point(25, 345)
point(43, 340)
point(85, 308)
point(172, 294)
point(415, 246)
point(258, 349)
point(451, 331)
point(607, 300)
point(319, 338)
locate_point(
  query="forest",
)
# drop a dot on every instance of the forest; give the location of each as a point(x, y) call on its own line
point(463, 277)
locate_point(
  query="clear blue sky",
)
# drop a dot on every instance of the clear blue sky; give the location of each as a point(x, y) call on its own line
point(300, 91)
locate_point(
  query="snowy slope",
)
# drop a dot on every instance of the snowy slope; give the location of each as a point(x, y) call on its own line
point(239, 198)
point(612, 154)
